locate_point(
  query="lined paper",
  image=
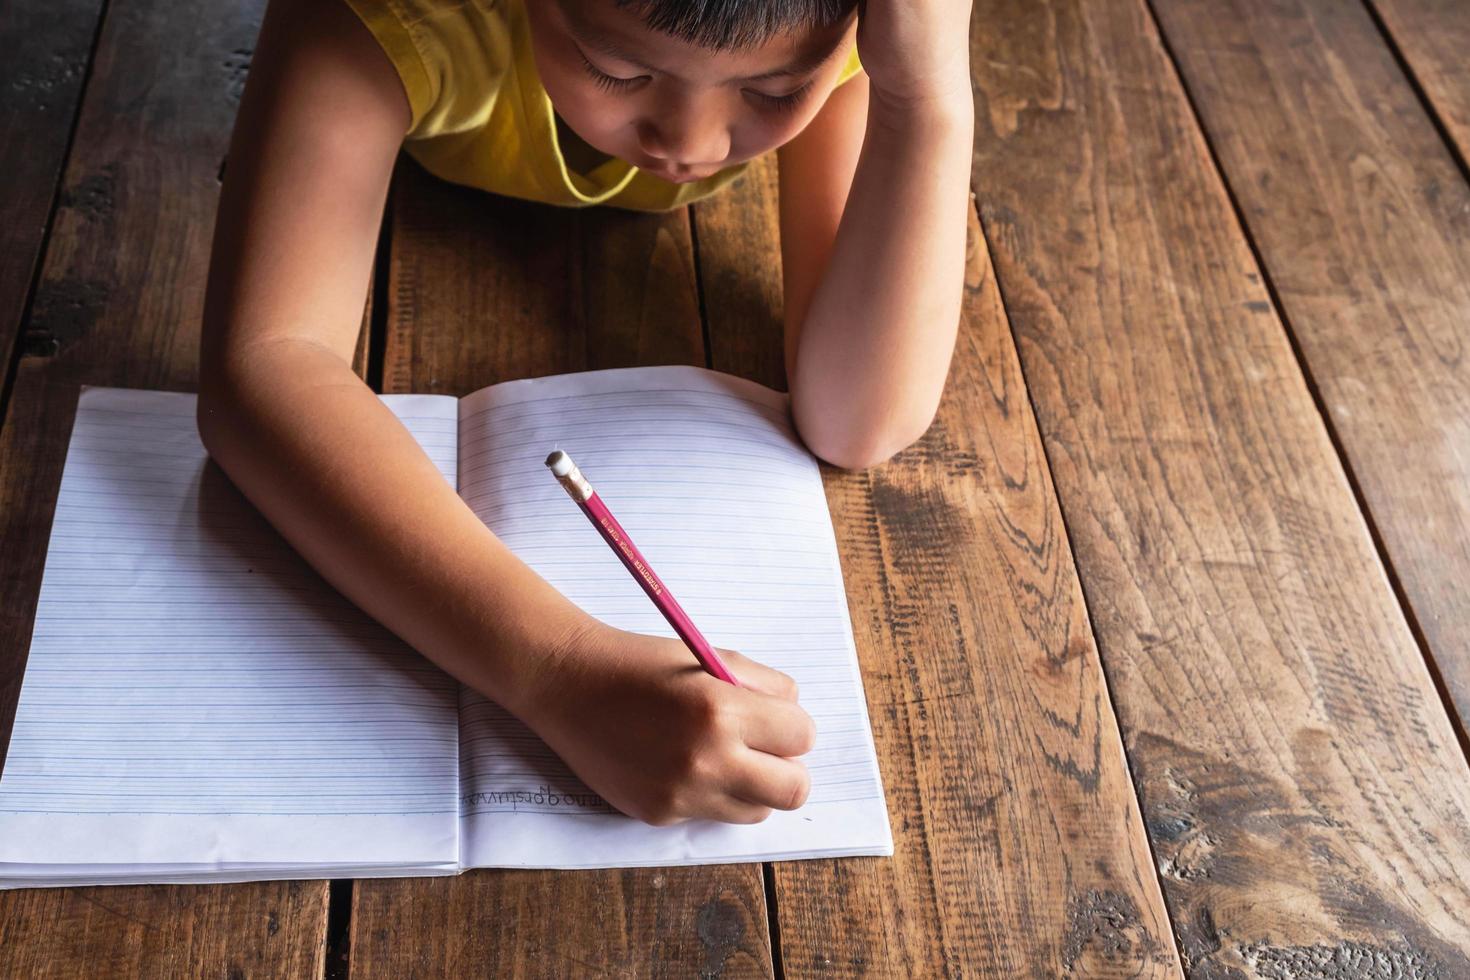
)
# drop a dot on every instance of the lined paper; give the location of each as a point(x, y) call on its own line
point(199, 705)
point(707, 476)
point(196, 697)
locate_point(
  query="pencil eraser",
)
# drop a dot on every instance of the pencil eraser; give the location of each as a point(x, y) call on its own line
point(560, 463)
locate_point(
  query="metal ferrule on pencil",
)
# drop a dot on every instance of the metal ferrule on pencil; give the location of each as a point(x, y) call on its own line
point(569, 476)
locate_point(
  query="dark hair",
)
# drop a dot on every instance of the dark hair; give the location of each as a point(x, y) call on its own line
point(734, 24)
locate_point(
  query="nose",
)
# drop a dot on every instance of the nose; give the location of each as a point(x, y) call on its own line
point(692, 135)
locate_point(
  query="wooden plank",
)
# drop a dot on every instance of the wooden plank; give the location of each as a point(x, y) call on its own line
point(259, 929)
point(363, 351)
point(739, 238)
point(1434, 36)
point(1362, 220)
point(485, 289)
point(119, 303)
point(1019, 848)
point(47, 48)
point(1301, 782)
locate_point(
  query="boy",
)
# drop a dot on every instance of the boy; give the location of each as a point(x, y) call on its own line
point(634, 103)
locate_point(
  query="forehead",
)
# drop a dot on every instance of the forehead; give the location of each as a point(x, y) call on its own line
point(605, 27)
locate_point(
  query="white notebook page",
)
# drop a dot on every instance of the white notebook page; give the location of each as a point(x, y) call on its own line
point(705, 473)
point(196, 697)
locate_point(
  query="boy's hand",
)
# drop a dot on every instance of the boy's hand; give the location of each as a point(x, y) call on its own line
point(642, 724)
point(915, 51)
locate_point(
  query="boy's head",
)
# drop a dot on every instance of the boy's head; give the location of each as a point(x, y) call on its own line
point(683, 88)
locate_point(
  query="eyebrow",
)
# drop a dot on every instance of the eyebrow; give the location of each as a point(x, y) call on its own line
point(604, 45)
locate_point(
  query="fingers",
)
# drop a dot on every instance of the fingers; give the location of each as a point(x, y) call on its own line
point(759, 677)
point(750, 785)
point(733, 810)
point(776, 726)
point(766, 781)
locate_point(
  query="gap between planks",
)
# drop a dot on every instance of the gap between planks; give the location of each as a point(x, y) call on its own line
point(1395, 582)
point(38, 260)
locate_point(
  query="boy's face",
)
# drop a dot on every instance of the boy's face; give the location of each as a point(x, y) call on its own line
point(676, 110)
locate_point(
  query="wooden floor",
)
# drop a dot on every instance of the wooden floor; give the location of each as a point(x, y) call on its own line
point(1165, 626)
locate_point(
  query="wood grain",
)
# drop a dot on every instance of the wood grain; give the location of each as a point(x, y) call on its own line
point(1019, 848)
point(739, 237)
point(1362, 220)
point(484, 289)
point(1434, 36)
point(119, 303)
point(363, 351)
point(47, 48)
point(1300, 779)
point(260, 929)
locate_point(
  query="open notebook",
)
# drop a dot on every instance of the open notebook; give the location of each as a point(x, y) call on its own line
point(199, 705)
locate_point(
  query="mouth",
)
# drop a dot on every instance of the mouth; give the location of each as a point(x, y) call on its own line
point(685, 178)
point(688, 177)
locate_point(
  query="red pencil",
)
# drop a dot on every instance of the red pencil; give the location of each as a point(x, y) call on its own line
point(612, 532)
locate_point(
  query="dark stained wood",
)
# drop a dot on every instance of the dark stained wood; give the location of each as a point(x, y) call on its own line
point(484, 289)
point(1363, 222)
point(362, 352)
point(260, 929)
point(46, 47)
point(119, 303)
point(1434, 36)
point(1019, 849)
point(1301, 782)
point(739, 234)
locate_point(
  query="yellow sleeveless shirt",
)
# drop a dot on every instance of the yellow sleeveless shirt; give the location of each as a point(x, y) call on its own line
point(482, 118)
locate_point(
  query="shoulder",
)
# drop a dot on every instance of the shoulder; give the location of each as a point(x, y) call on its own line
point(442, 51)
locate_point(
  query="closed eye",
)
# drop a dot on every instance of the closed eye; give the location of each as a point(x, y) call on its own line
point(781, 103)
point(606, 82)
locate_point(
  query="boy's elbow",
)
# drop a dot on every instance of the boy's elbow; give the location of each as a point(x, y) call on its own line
point(210, 417)
point(861, 447)
point(232, 383)
point(218, 407)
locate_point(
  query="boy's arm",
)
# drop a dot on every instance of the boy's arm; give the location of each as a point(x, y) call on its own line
point(874, 280)
point(280, 408)
point(326, 462)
